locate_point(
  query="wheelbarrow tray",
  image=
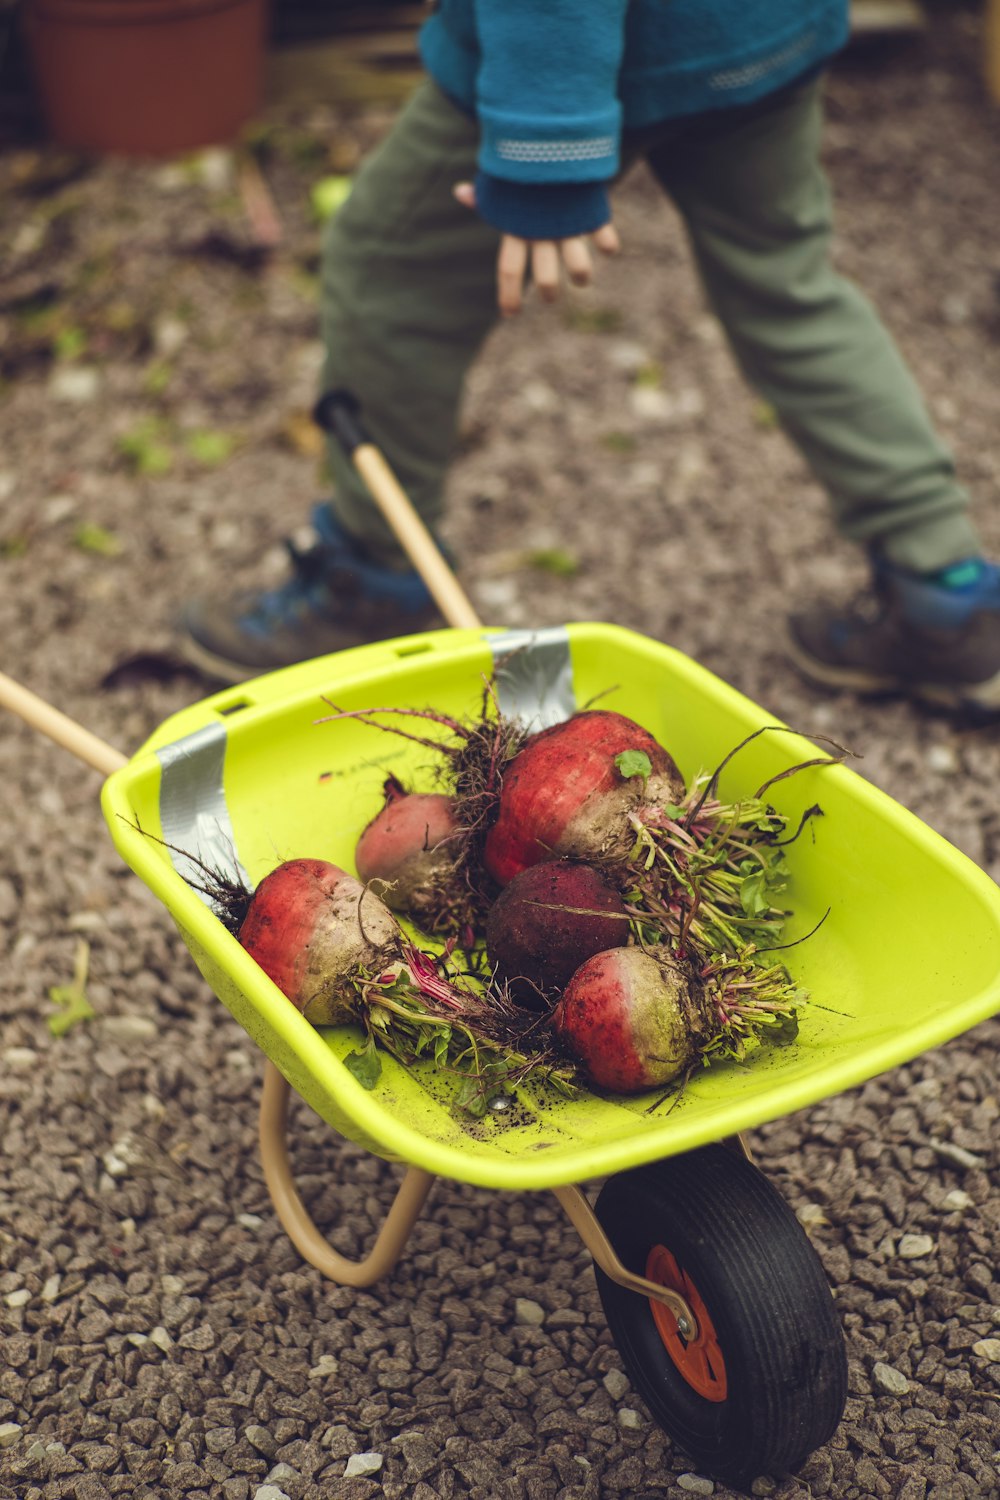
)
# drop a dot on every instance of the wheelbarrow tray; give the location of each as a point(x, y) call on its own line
point(905, 955)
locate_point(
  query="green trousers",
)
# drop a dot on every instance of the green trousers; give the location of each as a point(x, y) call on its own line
point(409, 295)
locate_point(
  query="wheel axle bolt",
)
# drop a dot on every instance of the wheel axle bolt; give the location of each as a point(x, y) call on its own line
point(683, 1327)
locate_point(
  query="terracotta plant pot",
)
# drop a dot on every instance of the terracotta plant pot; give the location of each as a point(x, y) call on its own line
point(146, 77)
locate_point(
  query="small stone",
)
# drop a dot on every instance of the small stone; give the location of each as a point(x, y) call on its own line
point(957, 1154)
point(168, 336)
point(249, 1221)
point(19, 1298)
point(161, 1338)
point(339, 1439)
point(538, 395)
point(582, 1461)
point(629, 1418)
point(915, 1246)
point(324, 1366)
point(527, 1313)
point(943, 759)
point(616, 1383)
point(131, 1150)
point(19, 1058)
point(130, 1028)
point(651, 405)
point(50, 1290)
point(362, 1463)
point(172, 1285)
point(695, 1484)
point(201, 1338)
point(269, 1492)
point(214, 167)
point(988, 1349)
point(627, 356)
point(281, 1474)
point(76, 383)
point(811, 1216)
point(955, 308)
point(220, 1439)
point(259, 1438)
point(138, 1339)
point(957, 1200)
point(9, 1434)
point(889, 1380)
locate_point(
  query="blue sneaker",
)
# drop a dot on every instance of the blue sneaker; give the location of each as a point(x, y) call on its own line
point(935, 638)
point(334, 598)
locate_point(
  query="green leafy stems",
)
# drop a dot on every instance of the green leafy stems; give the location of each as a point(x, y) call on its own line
point(750, 1001)
point(412, 1010)
point(709, 874)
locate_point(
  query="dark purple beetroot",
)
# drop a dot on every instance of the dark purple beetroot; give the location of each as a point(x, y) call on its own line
point(546, 922)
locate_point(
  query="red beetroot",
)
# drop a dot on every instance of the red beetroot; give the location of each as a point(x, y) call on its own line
point(314, 929)
point(544, 924)
point(414, 845)
point(633, 1021)
point(564, 795)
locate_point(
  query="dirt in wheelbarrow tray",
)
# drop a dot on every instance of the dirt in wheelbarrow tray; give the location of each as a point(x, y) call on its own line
point(161, 1335)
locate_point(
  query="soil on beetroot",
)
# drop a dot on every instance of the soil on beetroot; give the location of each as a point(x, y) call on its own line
point(161, 1335)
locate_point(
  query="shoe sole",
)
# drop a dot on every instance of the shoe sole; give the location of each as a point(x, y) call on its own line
point(217, 667)
point(983, 697)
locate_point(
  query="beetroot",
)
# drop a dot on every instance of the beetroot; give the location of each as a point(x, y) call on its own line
point(566, 793)
point(413, 846)
point(445, 889)
point(632, 1020)
point(338, 954)
point(544, 924)
point(313, 929)
point(637, 1018)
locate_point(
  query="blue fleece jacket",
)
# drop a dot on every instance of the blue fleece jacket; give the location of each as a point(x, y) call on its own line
point(554, 83)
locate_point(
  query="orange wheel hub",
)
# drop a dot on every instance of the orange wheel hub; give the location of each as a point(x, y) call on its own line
point(699, 1360)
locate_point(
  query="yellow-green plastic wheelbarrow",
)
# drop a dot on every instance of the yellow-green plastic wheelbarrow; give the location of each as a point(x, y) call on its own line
point(715, 1298)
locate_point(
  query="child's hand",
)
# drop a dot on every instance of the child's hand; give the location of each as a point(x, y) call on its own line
point(547, 258)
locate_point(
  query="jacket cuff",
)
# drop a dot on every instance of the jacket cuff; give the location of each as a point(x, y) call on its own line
point(542, 211)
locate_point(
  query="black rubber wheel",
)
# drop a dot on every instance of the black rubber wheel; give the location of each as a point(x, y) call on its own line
point(764, 1382)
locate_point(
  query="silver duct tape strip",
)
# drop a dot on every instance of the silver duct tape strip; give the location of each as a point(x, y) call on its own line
point(533, 675)
point(194, 815)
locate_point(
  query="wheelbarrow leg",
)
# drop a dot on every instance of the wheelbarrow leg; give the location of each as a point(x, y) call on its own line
point(291, 1211)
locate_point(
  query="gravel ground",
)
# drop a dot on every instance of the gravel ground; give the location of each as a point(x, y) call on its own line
point(162, 1337)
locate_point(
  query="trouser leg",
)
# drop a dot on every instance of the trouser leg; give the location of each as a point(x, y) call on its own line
point(408, 296)
point(757, 208)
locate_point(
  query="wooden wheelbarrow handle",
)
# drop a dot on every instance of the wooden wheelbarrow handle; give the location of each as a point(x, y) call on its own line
point(339, 414)
point(57, 726)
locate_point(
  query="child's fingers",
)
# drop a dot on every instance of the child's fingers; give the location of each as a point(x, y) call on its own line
point(545, 268)
point(606, 239)
point(512, 263)
point(465, 193)
point(576, 259)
